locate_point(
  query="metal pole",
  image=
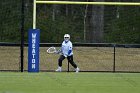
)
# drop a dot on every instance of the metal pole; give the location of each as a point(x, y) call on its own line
point(114, 58)
point(90, 3)
point(68, 66)
point(34, 14)
point(22, 37)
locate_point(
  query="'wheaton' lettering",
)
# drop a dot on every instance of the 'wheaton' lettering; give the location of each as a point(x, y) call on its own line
point(33, 50)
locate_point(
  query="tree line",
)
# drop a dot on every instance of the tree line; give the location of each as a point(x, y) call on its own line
point(85, 23)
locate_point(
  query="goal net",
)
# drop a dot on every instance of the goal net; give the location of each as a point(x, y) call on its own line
point(10, 24)
point(89, 21)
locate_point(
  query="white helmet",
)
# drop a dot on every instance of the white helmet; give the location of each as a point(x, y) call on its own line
point(66, 37)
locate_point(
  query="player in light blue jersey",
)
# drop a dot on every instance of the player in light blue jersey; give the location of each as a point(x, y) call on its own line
point(66, 52)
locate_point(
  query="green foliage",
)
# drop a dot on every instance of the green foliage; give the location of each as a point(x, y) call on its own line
point(125, 28)
point(10, 19)
point(121, 23)
point(53, 30)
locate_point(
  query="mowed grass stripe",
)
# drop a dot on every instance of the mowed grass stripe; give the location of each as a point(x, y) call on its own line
point(52, 82)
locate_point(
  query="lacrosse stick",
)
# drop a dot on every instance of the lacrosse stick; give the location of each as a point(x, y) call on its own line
point(51, 50)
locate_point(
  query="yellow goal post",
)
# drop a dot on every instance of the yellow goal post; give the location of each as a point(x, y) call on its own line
point(78, 3)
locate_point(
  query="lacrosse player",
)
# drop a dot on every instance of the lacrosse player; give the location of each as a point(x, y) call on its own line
point(66, 52)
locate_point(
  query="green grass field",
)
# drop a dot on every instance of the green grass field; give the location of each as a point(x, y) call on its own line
point(83, 82)
point(88, 59)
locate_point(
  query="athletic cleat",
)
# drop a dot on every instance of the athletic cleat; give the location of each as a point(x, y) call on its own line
point(59, 69)
point(77, 70)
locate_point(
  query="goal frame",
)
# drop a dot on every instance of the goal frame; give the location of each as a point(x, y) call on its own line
point(35, 2)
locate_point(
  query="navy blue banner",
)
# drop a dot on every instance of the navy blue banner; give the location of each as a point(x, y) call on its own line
point(33, 50)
